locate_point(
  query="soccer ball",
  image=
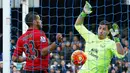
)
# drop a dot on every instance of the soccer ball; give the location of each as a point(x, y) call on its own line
point(78, 57)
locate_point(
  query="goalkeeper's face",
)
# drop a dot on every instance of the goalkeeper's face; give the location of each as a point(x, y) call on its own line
point(103, 31)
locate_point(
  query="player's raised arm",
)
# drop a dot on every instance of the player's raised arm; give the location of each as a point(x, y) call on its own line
point(83, 31)
point(86, 10)
point(115, 33)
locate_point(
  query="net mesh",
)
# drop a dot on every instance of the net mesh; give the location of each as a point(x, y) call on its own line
point(58, 16)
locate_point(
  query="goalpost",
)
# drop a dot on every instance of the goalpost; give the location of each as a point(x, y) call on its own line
point(6, 36)
point(7, 5)
point(6, 30)
point(25, 10)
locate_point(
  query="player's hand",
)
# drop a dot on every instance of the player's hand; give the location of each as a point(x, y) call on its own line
point(21, 59)
point(87, 8)
point(114, 30)
point(59, 37)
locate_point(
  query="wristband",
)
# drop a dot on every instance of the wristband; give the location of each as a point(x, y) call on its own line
point(116, 39)
point(83, 14)
point(57, 44)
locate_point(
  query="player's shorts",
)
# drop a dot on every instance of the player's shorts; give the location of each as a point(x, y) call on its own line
point(40, 71)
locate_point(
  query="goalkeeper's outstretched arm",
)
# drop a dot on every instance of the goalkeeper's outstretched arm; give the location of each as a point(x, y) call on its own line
point(80, 20)
point(85, 33)
point(115, 33)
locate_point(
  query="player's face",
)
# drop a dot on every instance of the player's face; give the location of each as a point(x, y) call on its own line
point(38, 22)
point(102, 31)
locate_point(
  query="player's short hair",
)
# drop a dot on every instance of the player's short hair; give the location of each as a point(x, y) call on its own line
point(104, 22)
point(30, 17)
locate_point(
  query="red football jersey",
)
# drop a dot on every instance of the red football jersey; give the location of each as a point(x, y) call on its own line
point(32, 42)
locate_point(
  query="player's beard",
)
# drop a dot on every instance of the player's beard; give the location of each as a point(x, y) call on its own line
point(39, 26)
point(101, 36)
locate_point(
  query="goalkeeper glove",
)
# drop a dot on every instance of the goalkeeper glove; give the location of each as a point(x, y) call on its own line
point(115, 32)
point(86, 10)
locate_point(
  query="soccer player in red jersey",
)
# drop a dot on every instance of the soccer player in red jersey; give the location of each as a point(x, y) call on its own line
point(34, 44)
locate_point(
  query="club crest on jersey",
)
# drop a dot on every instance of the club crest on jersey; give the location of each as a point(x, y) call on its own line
point(42, 39)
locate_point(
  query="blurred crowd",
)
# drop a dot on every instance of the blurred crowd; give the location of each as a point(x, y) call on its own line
point(60, 58)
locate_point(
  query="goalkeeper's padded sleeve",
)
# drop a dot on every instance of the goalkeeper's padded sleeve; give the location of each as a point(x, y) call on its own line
point(116, 39)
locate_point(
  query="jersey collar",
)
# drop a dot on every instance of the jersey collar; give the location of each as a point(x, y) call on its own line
point(30, 29)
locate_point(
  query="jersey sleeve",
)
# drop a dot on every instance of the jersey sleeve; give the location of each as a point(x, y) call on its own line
point(85, 33)
point(19, 49)
point(41, 40)
point(114, 50)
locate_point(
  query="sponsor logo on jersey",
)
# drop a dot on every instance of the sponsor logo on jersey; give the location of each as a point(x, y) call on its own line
point(42, 39)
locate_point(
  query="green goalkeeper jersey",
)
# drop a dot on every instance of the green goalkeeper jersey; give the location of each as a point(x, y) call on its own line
point(99, 52)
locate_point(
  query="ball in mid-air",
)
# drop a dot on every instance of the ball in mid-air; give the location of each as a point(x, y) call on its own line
point(78, 57)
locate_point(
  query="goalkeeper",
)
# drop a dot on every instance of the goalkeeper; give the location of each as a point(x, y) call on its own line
point(99, 48)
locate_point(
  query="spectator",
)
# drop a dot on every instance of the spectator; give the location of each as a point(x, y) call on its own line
point(58, 71)
point(1, 66)
point(75, 41)
point(52, 70)
point(74, 47)
point(70, 38)
point(63, 66)
point(66, 52)
point(113, 71)
point(14, 69)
